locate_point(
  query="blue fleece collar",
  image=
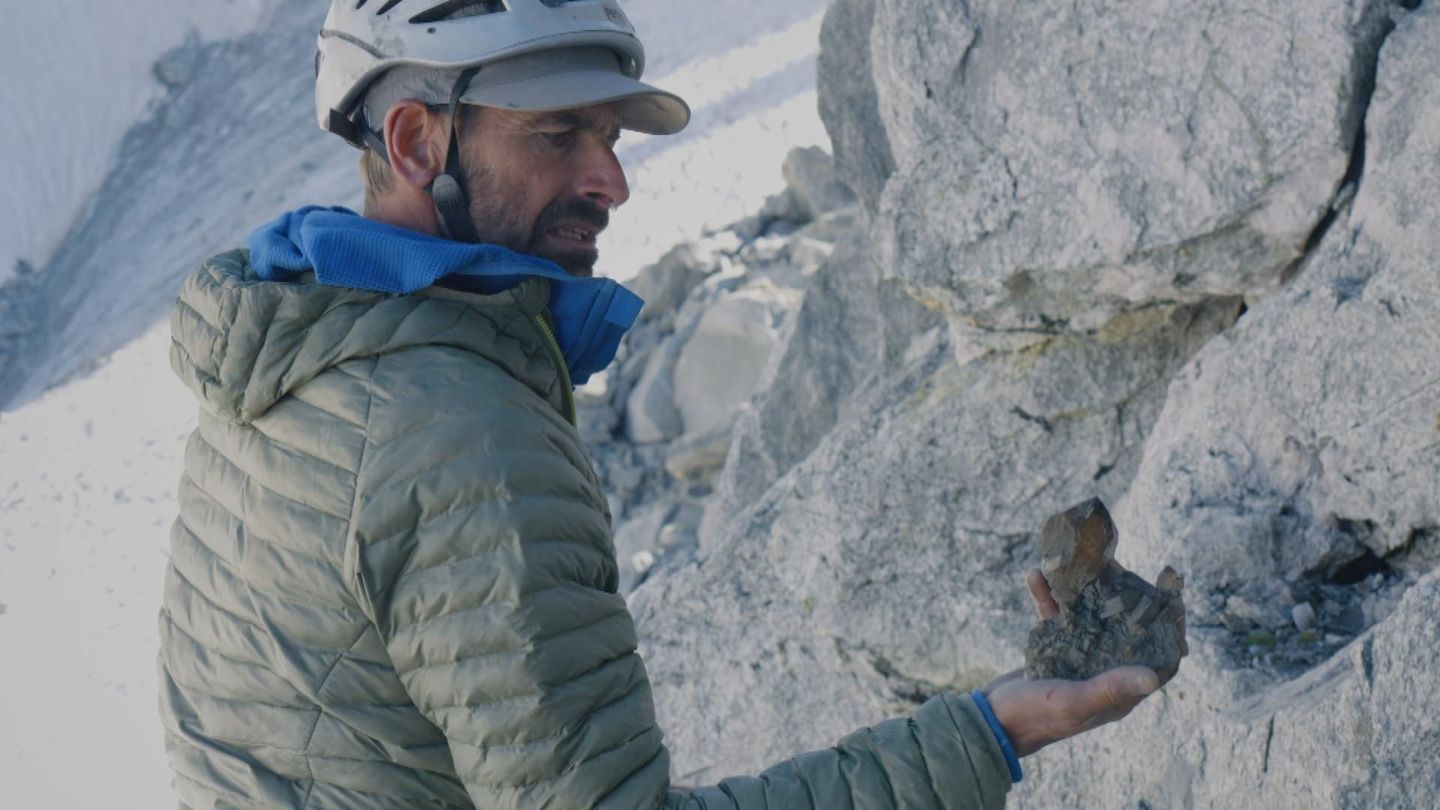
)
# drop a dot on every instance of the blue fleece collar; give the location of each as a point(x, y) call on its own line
point(348, 250)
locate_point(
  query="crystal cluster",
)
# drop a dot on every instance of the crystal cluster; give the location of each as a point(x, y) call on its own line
point(1109, 617)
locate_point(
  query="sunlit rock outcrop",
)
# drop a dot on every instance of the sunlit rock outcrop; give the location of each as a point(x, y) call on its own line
point(1059, 163)
point(1179, 258)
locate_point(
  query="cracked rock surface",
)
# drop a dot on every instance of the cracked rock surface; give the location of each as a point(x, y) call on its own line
point(1144, 252)
point(1096, 157)
point(1109, 617)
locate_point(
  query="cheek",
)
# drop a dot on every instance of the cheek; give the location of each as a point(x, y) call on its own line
point(501, 197)
point(513, 190)
point(523, 189)
point(540, 192)
point(547, 181)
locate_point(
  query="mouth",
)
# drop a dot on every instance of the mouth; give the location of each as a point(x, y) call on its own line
point(574, 233)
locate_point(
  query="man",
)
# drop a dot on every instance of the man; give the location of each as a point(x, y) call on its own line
point(392, 582)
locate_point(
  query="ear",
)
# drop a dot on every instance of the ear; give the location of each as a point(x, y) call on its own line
point(415, 140)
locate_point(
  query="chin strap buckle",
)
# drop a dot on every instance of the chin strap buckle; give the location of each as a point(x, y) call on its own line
point(454, 212)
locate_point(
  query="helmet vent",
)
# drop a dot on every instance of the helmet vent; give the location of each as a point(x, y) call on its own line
point(389, 4)
point(458, 9)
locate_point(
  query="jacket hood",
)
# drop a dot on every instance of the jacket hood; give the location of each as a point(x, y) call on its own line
point(344, 249)
point(241, 343)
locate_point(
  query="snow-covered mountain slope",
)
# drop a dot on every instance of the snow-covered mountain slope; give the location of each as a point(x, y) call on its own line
point(233, 142)
point(77, 75)
point(86, 501)
point(87, 468)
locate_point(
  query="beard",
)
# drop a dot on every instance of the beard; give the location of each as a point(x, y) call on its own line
point(499, 224)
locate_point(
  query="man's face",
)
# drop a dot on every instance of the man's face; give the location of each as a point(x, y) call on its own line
point(544, 183)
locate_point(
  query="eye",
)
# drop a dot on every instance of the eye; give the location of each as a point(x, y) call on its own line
point(558, 140)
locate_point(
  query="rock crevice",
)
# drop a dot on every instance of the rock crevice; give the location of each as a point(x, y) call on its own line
point(1063, 212)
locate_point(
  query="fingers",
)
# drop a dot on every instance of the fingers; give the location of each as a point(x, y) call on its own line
point(1035, 714)
point(1045, 604)
point(1111, 695)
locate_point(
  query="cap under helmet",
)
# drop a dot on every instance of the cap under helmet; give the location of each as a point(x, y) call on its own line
point(363, 39)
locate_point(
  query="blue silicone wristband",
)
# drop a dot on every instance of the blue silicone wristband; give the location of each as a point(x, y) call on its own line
point(1011, 761)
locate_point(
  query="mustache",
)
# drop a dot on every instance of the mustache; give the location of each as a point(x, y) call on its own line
point(572, 209)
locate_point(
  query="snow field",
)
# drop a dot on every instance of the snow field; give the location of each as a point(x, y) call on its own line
point(87, 496)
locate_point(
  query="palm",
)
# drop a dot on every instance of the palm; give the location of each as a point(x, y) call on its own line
point(1037, 713)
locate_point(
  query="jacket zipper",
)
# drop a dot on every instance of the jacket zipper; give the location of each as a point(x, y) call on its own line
point(567, 391)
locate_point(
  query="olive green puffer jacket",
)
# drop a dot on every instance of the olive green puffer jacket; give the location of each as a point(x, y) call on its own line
point(392, 582)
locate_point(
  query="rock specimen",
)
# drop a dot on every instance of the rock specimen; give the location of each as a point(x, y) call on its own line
point(1109, 617)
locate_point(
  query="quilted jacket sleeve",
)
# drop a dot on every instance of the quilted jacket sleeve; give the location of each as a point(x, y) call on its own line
point(942, 758)
point(481, 549)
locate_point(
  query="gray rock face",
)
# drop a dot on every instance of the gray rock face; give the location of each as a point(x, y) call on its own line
point(813, 186)
point(720, 365)
point(885, 566)
point(851, 324)
point(698, 456)
point(637, 542)
point(1094, 158)
point(666, 284)
point(660, 421)
point(848, 102)
point(1041, 307)
point(650, 414)
point(713, 316)
point(1309, 436)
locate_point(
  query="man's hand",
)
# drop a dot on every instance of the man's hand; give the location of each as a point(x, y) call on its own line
point(1037, 713)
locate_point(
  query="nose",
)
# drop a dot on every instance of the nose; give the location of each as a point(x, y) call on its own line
point(602, 178)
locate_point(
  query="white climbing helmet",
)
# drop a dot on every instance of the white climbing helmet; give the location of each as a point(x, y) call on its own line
point(545, 54)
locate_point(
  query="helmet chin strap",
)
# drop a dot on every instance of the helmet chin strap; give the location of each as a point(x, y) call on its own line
point(448, 188)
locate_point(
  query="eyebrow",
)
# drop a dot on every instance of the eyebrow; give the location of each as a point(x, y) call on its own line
point(567, 118)
point(571, 118)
